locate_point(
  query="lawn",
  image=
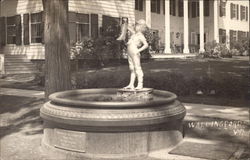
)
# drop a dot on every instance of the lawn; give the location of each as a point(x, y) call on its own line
point(222, 81)
point(218, 81)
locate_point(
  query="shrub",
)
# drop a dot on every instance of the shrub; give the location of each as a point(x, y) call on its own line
point(242, 46)
point(83, 49)
point(235, 52)
point(222, 51)
point(101, 49)
point(216, 50)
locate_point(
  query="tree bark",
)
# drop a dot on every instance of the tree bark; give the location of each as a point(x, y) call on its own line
point(57, 46)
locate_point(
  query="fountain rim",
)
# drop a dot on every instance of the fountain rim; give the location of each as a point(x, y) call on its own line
point(59, 98)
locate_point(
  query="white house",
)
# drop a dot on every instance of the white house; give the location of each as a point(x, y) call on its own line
point(188, 24)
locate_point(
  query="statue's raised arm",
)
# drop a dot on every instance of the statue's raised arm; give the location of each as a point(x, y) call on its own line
point(124, 28)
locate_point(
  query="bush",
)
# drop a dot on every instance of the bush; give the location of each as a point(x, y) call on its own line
point(242, 46)
point(101, 49)
point(216, 50)
point(235, 52)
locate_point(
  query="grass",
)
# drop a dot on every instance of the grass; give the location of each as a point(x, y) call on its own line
point(230, 76)
point(174, 75)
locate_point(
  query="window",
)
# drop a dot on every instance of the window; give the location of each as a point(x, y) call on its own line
point(206, 8)
point(36, 25)
point(242, 35)
point(234, 11)
point(193, 38)
point(222, 35)
point(139, 5)
point(11, 30)
point(180, 8)
point(172, 7)
point(198, 38)
point(222, 8)
point(82, 26)
point(155, 6)
point(243, 12)
point(110, 26)
point(233, 36)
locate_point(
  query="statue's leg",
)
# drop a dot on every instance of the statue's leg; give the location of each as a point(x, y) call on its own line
point(138, 70)
point(132, 74)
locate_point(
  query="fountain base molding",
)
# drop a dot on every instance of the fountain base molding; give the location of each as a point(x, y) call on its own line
point(77, 128)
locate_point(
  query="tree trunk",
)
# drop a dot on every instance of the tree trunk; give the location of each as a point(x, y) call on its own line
point(57, 46)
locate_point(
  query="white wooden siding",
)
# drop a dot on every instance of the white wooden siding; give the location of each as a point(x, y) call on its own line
point(115, 8)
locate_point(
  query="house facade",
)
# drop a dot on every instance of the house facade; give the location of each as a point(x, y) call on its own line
point(188, 25)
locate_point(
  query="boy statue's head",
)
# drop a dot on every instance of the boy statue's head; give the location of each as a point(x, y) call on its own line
point(141, 26)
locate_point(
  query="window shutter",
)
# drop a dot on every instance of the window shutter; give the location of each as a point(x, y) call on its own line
point(180, 8)
point(26, 29)
point(231, 35)
point(136, 4)
point(42, 26)
point(198, 9)
point(18, 30)
point(239, 35)
point(158, 6)
point(246, 13)
point(189, 8)
point(231, 10)
point(174, 8)
point(241, 12)
point(221, 14)
point(72, 27)
point(206, 8)
point(237, 11)
point(141, 5)
point(2, 31)
point(193, 9)
point(94, 25)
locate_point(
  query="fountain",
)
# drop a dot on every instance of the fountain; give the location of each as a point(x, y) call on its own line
point(108, 123)
point(112, 123)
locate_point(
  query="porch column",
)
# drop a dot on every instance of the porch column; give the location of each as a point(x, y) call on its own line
point(167, 28)
point(148, 13)
point(216, 19)
point(201, 3)
point(185, 22)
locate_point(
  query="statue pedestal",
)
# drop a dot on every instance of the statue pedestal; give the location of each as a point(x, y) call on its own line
point(144, 94)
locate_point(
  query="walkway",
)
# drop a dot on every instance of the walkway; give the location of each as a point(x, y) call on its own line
point(172, 56)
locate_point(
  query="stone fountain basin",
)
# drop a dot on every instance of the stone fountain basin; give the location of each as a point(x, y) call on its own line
point(97, 124)
point(100, 109)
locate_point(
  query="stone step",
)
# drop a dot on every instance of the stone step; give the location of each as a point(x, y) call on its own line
point(19, 64)
point(14, 55)
point(20, 68)
point(20, 72)
point(16, 60)
point(15, 64)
